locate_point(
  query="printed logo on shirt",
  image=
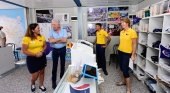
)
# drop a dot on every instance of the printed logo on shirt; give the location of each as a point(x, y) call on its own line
point(32, 42)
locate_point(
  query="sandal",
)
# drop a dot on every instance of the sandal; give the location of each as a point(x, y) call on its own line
point(128, 91)
point(120, 83)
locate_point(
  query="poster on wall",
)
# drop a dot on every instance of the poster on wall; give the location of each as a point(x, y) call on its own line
point(114, 28)
point(116, 13)
point(91, 31)
point(96, 14)
point(45, 29)
point(14, 25)
point(62, 17)
point(69, 31)
point(44, 16)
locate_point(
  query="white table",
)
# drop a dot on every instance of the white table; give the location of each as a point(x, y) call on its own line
point(63, 86)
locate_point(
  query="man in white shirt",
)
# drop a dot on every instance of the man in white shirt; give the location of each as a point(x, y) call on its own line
point(2, 38)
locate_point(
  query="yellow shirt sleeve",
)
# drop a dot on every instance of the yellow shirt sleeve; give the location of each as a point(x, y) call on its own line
point(105, 33)
point(134, 34)
point(26, 40)
point(43, 38)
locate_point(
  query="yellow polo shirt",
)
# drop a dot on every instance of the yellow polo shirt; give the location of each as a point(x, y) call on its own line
point(126, 40)
point(34, 46)
point(101, 36)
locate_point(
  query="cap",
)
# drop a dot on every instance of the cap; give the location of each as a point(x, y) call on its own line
point(1, 27)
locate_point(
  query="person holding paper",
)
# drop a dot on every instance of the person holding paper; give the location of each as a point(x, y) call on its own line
point(57, 39)
point(126, 51)
point(101, 44)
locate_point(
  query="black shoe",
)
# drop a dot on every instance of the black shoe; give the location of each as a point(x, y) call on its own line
point(33, 88)
point(53, 84)
point(43, 89)
point(105, 72)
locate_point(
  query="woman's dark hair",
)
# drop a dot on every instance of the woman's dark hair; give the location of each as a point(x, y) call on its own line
point(99, 24)
point(29, 32)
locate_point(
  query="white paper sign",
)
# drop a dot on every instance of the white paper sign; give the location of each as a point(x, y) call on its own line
point(62, 17)
point(45, 29)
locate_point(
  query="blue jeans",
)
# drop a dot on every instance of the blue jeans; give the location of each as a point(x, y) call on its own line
point(56, 53)
point(123, 59)
point(100, 54)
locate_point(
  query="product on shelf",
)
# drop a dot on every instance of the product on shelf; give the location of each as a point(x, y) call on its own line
point(168, 46)
point(151, 84)
point(143, 63)
point(165, 65)
point(154, 59)
point(165, 52)
point(146, 27)
point(144, 52)
point(168, 30)
point(157, 30)
point(156, 44)
point(144, 41)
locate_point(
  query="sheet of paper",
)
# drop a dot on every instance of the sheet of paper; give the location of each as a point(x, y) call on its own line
point(154, 86)
point(131, 64)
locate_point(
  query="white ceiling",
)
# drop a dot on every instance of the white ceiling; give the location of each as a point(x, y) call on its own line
point(45, 3)
point(109, 2)
point(71, 3)
point(4, 5)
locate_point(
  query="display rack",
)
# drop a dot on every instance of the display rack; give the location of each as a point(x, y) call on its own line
point(145, 39)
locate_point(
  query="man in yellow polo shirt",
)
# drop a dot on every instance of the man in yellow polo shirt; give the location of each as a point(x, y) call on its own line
point(101, 44)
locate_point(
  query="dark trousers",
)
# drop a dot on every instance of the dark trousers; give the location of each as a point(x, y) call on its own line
point(56, 53)
point(100, 54)
point(123, 59)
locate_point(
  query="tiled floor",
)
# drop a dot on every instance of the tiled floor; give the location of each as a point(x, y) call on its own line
point(18, 81)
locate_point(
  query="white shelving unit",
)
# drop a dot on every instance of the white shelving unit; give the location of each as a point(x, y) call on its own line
point(146, 37)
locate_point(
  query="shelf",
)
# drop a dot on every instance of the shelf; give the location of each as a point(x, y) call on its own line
point(141, 56)
point(141, 67)
point(152, 62)
point(161, 88)
point(145, 18)
point(152, 47)
point(162, 65)
point(143, 32)
point(165, 39)
point(165, 88)
point(149, 74)
point(155, 32)
point(157, 16)
point(166, 23)
point(166, 33)
point(151, 69)
point(142, 44)
point(151, 52)
point(139, 71)
point(158, 23)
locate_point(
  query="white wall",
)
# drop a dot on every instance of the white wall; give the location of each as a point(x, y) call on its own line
point(72, 12)
point(146, 3)
point(115, 39)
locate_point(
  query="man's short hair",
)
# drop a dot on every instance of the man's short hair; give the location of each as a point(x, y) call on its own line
point(55, 20)
point(99, 24)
